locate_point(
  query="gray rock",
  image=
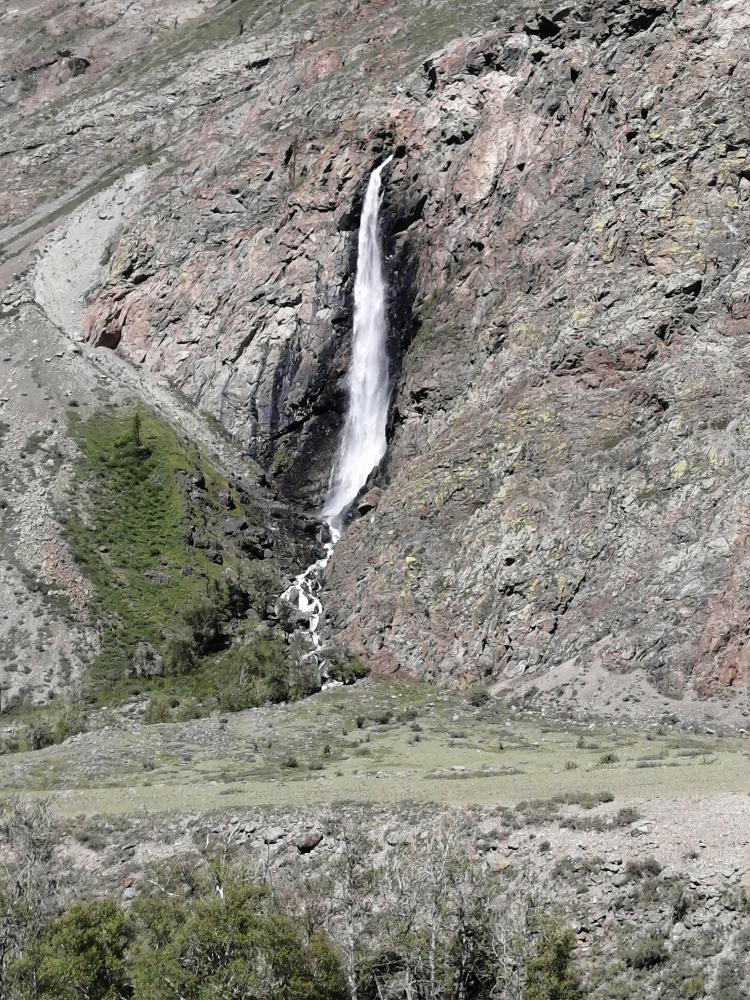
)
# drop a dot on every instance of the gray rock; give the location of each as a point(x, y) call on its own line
point(309, 841)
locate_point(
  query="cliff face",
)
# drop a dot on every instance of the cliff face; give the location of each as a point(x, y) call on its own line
point(566, 223)
point(567, 475)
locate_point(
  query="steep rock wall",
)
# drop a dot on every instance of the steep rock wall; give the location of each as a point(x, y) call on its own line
point(567, 225)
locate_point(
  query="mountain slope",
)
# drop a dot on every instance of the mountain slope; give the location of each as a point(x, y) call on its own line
point(566, 229)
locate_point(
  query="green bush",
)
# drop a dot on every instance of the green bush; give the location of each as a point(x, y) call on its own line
point(346, 669)
point(551, 975)
point(70, 721)
point(237, 945)
point(478, 696)
point(180, 655)
point(81, 955)
point(157, 711)
point(204, 622)
point(188, 709)
point(694, 987)
point(640, 869)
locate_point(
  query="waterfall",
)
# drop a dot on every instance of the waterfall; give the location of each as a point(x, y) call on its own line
point(363, 443)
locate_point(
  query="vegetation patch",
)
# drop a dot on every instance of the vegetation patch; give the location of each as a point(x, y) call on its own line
point(180, 610)
point(214, 927)
point(129, 533)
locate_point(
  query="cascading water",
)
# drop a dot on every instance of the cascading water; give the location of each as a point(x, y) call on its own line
point(363, 443)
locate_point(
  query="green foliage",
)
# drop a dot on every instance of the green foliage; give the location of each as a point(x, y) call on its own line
point(132, 529)
point(68, 722)
point(346, 669)
point(729, 984)
point(180, 655)
point(217, 930)
point(152, 586)
point(694, 987)
point(550, 974)
point(136, 425)
point(82, 954)
point(641, 868)
point(204, 623)
point(157, 711)
point(237, 944)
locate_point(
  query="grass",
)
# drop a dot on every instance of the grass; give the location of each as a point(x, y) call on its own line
point(205, 764)
point(129, 534)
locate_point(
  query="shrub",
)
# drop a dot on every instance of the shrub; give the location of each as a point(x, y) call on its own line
point(237, 944)
point(346, 669)
point(694, 987)
point(39, 735)
point(729, 981)
point(82, 954)
point(180, 655)
point(610, 757)
point(639, 869)
point(646, 954)
point(304, 681)
point(157, 711)
point(550, 974)
point(238, 695)
point(626, 815)
point(70, 721)
point(188, 709)
point(89, 837)
point(204, 622)
point(478, 696)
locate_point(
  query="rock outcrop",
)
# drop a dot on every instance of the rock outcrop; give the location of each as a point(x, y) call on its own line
point(566, 225)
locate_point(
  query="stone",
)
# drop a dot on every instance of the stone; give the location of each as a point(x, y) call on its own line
point(498, 862)
point(146, 661)
point(397, 837)
point(369, 501)
point(309, 841)
point(233, 525)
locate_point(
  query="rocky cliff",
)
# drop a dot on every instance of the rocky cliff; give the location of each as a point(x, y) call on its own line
point(566, 224)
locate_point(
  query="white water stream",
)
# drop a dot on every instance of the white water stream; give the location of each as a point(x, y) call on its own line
point(363, 442)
